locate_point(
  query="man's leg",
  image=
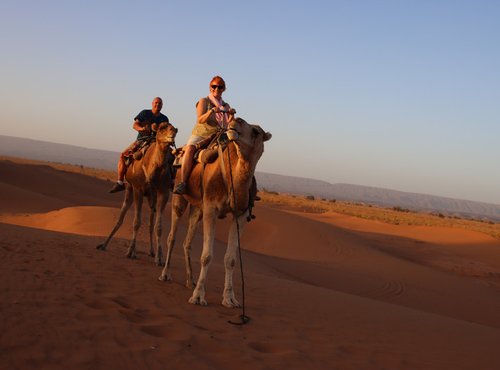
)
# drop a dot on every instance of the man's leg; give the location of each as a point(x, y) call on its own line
point(122, 170)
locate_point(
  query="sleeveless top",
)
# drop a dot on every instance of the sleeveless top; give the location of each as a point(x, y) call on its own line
point(211, 126)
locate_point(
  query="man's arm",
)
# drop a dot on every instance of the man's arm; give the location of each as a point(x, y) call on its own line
point(140, 126)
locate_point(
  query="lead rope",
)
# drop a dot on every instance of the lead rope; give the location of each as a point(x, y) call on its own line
point(244, 319)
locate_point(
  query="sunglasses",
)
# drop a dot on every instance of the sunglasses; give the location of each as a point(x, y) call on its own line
point(220, 87)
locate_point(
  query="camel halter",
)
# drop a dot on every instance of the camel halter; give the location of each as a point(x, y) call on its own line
point(244, 319)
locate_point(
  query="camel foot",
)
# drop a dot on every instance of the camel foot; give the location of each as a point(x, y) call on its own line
point(165, 277)
point(190, 284)
point(101, 247)
point(131, 255)
point(159, 262)
point(152, 254)
point(230, 303)
point(198, 301)
point(229, 300)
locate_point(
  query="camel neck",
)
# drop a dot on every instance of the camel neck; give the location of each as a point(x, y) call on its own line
point(241, 170)
point(158, 158)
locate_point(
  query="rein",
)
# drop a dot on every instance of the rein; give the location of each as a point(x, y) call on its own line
point(223, 141)
point(244, 318)
point(229, 187)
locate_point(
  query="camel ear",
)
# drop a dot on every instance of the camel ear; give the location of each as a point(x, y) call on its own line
point(162, 125)
point(258, 130)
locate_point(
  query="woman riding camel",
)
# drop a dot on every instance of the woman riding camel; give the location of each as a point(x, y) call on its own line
point(213, 114)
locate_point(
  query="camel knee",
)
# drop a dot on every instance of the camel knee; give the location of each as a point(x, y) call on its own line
point(205, 260)
point(229, 261)
point(178, 210)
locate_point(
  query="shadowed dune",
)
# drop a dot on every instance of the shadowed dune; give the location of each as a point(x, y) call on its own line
point(323, 291)
point(41, 188)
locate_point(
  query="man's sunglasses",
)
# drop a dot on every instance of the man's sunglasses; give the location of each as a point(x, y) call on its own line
point(220, 87)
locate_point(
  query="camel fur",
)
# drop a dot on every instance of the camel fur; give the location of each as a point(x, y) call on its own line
point(149, 177)
point(209, 196)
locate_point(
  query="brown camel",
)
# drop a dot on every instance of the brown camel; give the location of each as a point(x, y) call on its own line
point(149, 177)
point(213, 191)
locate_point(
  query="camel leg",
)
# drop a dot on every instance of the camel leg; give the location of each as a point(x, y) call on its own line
point(152, 222)
point(127, 202)
point(179, 205)
point(209, 219)
point(194, 218)
point(138, 199)
point(228, 298)
point(161, 202)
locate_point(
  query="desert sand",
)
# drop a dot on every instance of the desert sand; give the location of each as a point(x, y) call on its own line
point(323, 291)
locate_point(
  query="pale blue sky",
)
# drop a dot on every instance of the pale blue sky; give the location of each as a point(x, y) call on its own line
point(396, 94)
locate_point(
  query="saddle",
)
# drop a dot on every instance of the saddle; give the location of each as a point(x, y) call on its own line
point(206, 151)
point(138, 151)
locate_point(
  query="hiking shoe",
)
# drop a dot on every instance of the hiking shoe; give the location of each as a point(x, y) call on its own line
point(180, 188)
point(117, 187)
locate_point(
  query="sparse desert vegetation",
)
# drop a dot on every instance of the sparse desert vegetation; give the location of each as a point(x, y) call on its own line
point(394, 215)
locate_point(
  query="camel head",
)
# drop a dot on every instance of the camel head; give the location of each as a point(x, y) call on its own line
point(249, 139)
point(165, 133)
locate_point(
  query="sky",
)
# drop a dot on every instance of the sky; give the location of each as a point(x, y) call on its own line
point(396, 94)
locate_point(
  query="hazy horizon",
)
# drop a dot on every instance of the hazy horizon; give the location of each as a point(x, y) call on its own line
point(393, 95)
point(267, 180)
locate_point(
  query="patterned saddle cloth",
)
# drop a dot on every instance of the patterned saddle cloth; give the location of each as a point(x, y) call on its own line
point(206, 150)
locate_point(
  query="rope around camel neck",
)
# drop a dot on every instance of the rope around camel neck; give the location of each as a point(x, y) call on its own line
point(244, 318)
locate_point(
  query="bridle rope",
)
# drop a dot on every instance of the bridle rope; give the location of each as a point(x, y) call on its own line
point(244, 319)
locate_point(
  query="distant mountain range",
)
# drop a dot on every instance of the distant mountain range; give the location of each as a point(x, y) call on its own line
point(378, 196)
point(62, 153)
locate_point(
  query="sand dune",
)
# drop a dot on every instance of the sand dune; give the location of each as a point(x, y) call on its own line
point(323, 291)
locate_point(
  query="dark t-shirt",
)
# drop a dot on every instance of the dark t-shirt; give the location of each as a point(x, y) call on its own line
point(146, 117)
